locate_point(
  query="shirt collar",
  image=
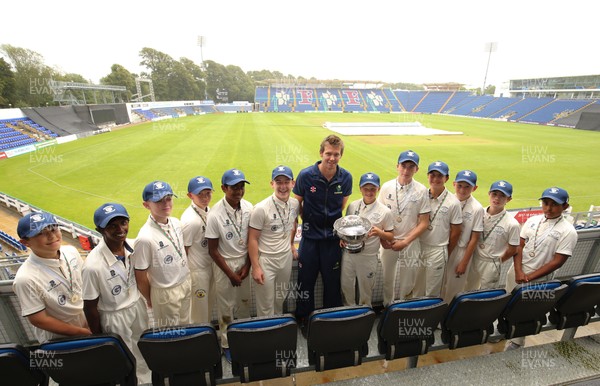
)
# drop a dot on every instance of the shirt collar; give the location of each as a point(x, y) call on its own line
point(44, 261)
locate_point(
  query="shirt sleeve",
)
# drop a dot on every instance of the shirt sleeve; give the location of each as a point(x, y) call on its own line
point(91, 289)
point(257, 218)
point(514, 238)
point(31, 297)
point(190, 229)
point(566, 243)
point(298, 189)
point(456, 214)
point(425, 204)
point(478, 220)
point(212, 226)
point(142, 253)
point(388, 220)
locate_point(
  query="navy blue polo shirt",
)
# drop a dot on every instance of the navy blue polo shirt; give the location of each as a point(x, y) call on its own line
point(322, 200)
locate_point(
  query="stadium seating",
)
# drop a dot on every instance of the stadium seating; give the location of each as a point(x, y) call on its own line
point(455, 100)
point(393, 101)
point(352, 100)
point(18, 366)
point(182, 355)
point(263, 348)
point(556, 110)
point(261, 96)
point(330, 346)
point(519, 111)
point(432, 102)
point(470, 104)
point(471, 315)
point(576, 307)
point(495, 107)
point(98, 360)
point(11, 241)
point(329, 99)
point(525, 313)
point(406, 327)
point(281, 99)
point(409, 99)
point(376, 100)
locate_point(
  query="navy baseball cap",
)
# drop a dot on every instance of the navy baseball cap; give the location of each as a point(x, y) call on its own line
point(282, 170)
point(409, 155)
point(232, 177)
point(369, 178)
point(439, 166)
point(502, 186)
point(32, 224)
point(155, 191)
point(556, 194)
point(467, 176)
point(198, 184)
point(107, 212)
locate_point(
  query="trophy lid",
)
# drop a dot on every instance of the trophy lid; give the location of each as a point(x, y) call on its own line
point(352, 225)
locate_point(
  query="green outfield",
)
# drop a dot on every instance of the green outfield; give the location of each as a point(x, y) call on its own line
point(73, 179)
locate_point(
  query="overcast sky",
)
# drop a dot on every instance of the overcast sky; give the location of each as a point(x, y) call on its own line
point(391, 41)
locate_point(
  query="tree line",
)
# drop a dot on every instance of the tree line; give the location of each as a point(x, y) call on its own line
point(24, 78)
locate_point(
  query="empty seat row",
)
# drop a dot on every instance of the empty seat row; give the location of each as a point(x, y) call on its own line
point(266, 347)
point(13, 242)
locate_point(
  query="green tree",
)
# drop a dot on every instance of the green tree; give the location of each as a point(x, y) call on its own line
point(7, 84)
point(120, 76)
point(216, 76)
point(406, 86)
point(239, 85)
point(490, 90)
point(160, 66)
point(32, 77)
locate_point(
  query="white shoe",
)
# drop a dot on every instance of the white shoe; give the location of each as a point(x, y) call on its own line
point(511, 346)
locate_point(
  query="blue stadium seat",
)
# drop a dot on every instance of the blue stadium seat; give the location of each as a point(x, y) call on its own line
point(97, 360)
point(525, 313)
point(471, 315)
point(576, 306)
point(263, 348)
point(338, 337)
point(182, 355)
point(406, 327)
point(16, 367)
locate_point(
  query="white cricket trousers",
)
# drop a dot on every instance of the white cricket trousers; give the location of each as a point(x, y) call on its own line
point(401, 267)
point(277, 269)
point(232, 302)
point(171, 306)
point(361, 268)
point(203, 294)
point(483, 274)
point(431, 270)
point(130, 323)
point(453, 284)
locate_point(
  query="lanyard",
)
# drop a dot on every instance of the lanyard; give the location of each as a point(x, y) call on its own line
point(119, 269)
point(485, 236)
point(404, 200)
point(199, 215)
point(287, 219)
point(62, 278)
point(542, 236)
point(175, 245)
point(438, 208)
point(237, 229)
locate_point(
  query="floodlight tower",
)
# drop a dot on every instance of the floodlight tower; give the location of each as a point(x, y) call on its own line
point(489, 47)
point(201, 43)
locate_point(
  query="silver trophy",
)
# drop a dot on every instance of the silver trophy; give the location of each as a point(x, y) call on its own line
point(353, 230)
